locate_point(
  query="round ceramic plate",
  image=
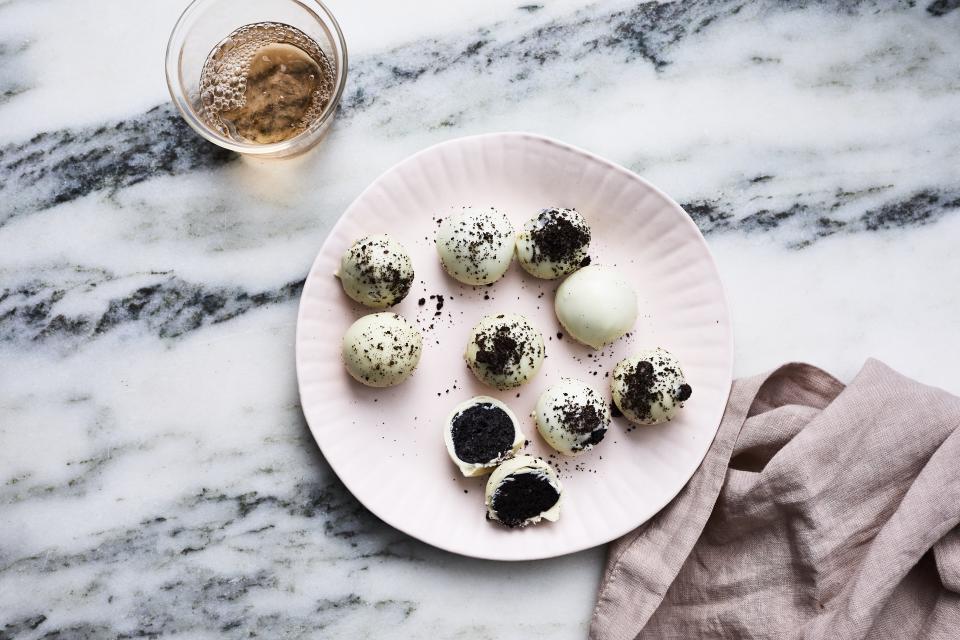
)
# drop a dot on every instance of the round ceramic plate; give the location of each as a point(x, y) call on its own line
point(387, 445)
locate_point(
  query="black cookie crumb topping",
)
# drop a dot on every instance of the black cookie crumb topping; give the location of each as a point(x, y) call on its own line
point(683, 393)
point(639, 392)
point(502, 347)
point(522, 496)
point(584, 420)
point(482, 433)
point(580, 418)
point(559, 235)
point(498, 350)
point(389, 273)
point(595, 438)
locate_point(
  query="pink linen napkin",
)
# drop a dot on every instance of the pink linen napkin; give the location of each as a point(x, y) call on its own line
point(820, 511)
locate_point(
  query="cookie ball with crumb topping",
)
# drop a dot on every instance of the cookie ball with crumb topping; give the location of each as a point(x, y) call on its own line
point(572, 417)
point(649, 388)
point(553, 243)
point(376, 271)
point(381, 349)
point(504, 351)
point(476, 246)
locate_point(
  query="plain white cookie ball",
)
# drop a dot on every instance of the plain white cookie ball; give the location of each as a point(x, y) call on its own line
point(596, 305)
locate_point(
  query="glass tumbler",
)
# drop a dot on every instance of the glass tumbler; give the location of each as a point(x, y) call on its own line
point(205, 23)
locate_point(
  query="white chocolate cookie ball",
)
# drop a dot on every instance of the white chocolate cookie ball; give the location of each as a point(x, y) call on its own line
point(476, 246)
point(596, 305)
point(504, 351)
point(649, 388)
point(553, 243)
point(571, 417)
point(376, 271)
point(381, 349)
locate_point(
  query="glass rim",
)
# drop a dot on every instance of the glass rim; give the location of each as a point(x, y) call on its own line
point(180, 96)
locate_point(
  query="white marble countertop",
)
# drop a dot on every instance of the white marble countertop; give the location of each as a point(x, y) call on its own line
point(156, 474)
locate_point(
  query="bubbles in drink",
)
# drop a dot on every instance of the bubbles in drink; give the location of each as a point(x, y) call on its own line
point(265, 82)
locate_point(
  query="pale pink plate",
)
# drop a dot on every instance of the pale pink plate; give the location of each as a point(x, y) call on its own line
point(387, 445)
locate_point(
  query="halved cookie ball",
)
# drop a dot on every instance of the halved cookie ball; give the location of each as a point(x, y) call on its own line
point(381, 349)
point(376, 271)
point(480, 434)
point(572, 417)
point(504, 351)
point(523, 491)
point(596, 305)
point(554, 243)
point(649, 388)
point(476, 246)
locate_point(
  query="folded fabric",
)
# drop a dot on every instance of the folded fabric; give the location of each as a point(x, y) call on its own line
point(820, 511)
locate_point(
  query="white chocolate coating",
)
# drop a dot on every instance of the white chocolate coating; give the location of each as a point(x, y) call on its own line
point(518, 465)
point(492, 362)
point(476, 246)
point(471, 469)
point(553, 243)
point(381, 349)
point(653, 394)
point(376, 271)
point(571, 417)
point(596, 305)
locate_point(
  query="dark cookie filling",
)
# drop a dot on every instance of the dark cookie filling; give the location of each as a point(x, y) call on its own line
point(482, 433)
point(557, 238)
point(522, 496)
